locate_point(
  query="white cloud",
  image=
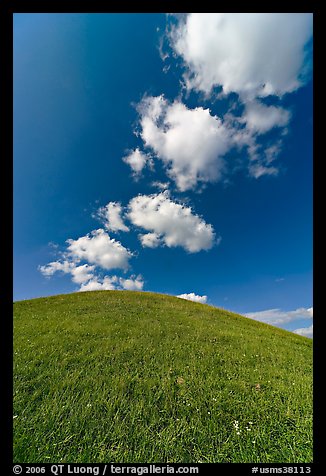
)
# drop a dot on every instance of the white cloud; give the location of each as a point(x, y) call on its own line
point(110, 283)
point(305, 331)
point(261, 118)
point(84, 275)
point(111, 216)
point(106, 284)
point(261, 157)
point(99, 249)
point(278, 317)
point(193, 297)
point(160, 185)
point(103, 252)
point(132, 284)
point(150, 240)
point(80, 274)
point(257, 170)
point(172, 223)
point(55, 266)
point(190, 142)
point(252, 54)
point(137, 160)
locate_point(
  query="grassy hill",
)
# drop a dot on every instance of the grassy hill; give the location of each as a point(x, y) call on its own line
point(120, 376)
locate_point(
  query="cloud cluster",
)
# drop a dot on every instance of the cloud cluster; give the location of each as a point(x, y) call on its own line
point(252, 54)
point(167, 222)
point(277, 316)
point(193, 144)
point(193, 297)
point(99, 251)
point(170, 223)
point(86, 276)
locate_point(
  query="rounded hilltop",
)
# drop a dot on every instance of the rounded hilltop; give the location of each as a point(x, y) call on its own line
point(125, 376)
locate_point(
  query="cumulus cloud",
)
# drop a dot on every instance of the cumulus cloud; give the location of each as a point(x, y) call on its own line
point(278, 317)
point(252, 54)
point(190, 142)
point(55, 266)
point(100, 252)
point(170, 223)
point(134, 283)
point(305, 331)
point(193, 297)
point(96, 284)
point(260, 118)
point(80, 274)
point(84, 275)
point(99, 249)
point(137, 160)
point(150, 240)
point(110, 283)
point(111, 217)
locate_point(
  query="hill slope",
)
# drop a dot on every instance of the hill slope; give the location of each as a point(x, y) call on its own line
point(120, 376)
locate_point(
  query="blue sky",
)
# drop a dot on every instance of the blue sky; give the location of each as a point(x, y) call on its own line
point(174, 152)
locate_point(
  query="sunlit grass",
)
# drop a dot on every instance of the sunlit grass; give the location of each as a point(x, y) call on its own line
point(118, 376)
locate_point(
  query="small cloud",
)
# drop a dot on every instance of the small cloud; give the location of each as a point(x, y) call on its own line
point(56, 266)
point(193, 297)
point(108, 283)
point(260, 118)
point(305, 331)
point(279, 280)
point(111, 217)
point(53, 245)
point(150, 240)
point(80, 274)
point(161, 185)
point(258, 170)
point(278, 317)
point(132, 284)
point(137, 160)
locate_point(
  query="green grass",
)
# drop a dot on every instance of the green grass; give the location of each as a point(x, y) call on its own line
point(120, 376)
